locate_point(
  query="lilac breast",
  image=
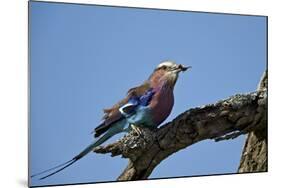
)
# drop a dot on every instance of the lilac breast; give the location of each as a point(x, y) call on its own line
point(162, 104)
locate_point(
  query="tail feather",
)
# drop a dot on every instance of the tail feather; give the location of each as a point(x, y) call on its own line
point(74, 159)
point(50, 169)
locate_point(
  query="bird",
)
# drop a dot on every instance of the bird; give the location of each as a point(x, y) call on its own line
point(146, 105)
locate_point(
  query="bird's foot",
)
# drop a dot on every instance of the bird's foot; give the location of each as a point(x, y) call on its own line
point(136, 130)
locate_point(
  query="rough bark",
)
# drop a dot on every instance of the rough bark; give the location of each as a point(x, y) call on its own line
point(254, 155)
point(226, 119)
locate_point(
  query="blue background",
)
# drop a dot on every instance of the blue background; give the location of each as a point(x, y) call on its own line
point(85, 58)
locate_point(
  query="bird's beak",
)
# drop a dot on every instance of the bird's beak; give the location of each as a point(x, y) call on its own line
point(183, 68)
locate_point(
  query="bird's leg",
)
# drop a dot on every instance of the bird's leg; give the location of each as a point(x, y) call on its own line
point(136, 129)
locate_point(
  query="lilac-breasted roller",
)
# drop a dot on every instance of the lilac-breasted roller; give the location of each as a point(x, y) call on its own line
point(147, 105)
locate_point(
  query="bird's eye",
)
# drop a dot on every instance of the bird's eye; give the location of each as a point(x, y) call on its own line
point(164, 67)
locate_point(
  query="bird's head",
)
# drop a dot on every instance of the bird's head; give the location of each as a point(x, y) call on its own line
point(168, 71)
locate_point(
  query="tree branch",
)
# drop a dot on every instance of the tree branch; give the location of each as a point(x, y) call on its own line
point(254, 155)
point(223, 120)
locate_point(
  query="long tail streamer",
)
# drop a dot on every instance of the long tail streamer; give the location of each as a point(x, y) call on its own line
point(50, 169)
point(66, 164)
point(72, 161)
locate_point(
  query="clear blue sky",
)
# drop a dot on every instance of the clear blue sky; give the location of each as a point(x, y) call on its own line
point(85, 58)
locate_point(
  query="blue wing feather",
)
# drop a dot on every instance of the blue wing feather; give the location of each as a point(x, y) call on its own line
point(146, 98)
point(135, 96)
point(135, 101)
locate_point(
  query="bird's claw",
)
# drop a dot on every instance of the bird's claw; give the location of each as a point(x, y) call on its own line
point(136, 130)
